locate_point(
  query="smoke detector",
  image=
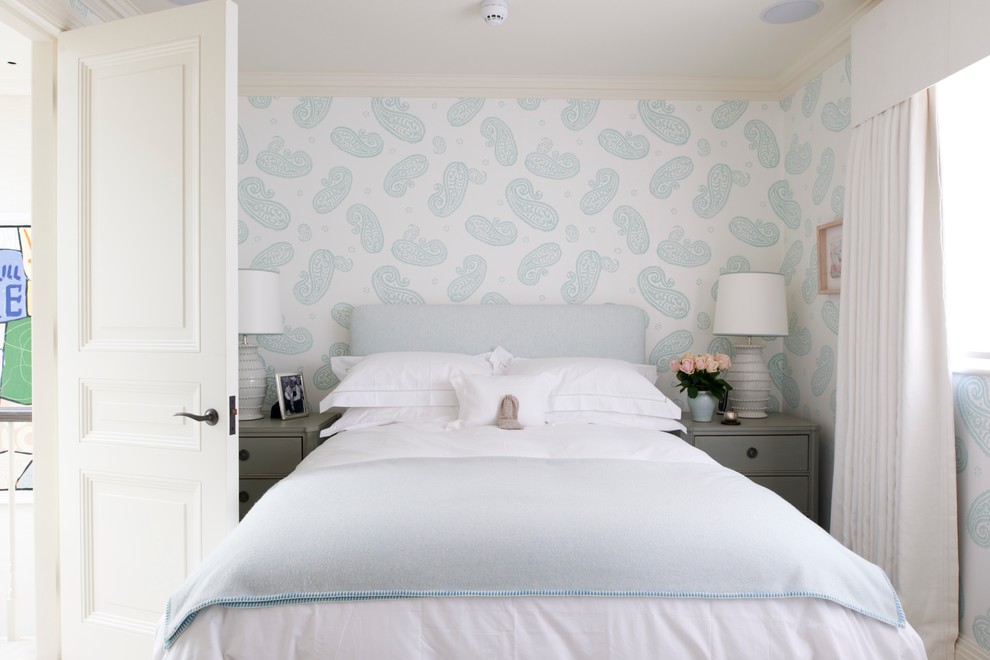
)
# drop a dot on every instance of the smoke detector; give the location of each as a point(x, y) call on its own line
point(494, 11)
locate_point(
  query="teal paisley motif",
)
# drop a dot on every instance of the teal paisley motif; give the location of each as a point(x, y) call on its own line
point(499, 136)
point(837, 116)
point(391, 114)
point(341, 313)
point(704, 147)
point(658, 290)
point(391, 288)
point(365, 223)
point(780, 375)
point(439, 145)
point(712, 198)
point(260, 102)
point(798, 157)
point(242, 146)
point(633, 227)
point(271, 396)
point(785, 103)
point(603, 191)
point(830, 315)
point(978, 523)
point(704, 321)
point(736, 264)
point(464, 111)
point(783, 205)
point(762, 139)
point(324, 378)
point(721, 345)
point(470, 277)
point(292, 341)
point(256, 200)
point(791, 260)
point(494, 298)
point(973, 404)
point(552, 165)
point(418, 253)
point(304, 232)
point(824, 180)
point(847, 62)
point(628, 146)
point(273, 256)
point(528, 104)
point(809, 288)
point(242, 231)
point(579, 113)
point(962, 458)
point(572, 234)
point(400, 178)
point(670, 347)
point(524, 200)
point(758, 234)
point(664, 181)
point(477, 176)
point(823, 374)
point(450, 193)
point(838, 199)
point(981, 631)
point(335, 188)
point(583, 280)
point(678, 252)
point(534, 265)
point(282, 162)
point(493, 232)
point(311, 110)
point(313, 283)
point(360, 144)
point(728, 113)
point(810, 100)
point(659, 118)
point(798, 339)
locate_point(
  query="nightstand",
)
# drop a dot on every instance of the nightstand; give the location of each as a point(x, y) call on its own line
point(271, 448)
point(779, 452)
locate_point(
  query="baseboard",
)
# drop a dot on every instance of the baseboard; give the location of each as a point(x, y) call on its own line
point(967, 649)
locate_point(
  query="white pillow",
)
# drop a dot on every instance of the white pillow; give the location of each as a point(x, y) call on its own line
point(598, 384)
point(404, 379)
point(614, 419)
point(479, 398)
point(359, 418)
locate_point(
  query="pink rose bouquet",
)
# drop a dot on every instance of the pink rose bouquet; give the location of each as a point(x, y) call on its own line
point(699, 373)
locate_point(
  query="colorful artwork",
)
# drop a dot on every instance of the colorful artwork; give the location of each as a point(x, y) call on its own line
point(15, 353)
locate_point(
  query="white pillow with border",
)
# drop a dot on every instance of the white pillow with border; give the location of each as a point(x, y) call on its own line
point(359, 418)
point(615, 419)
point(480, 398)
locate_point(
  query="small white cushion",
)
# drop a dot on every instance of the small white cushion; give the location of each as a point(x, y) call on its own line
point(404, 379)
point(479, 398)
point(598, 384)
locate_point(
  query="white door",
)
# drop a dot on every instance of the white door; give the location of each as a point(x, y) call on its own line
point(146, 316)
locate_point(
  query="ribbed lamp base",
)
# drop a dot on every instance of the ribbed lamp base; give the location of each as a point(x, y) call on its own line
point(750, 380)
point(251, 383)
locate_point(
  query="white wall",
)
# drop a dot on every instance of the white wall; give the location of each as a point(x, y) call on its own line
point(15, 159)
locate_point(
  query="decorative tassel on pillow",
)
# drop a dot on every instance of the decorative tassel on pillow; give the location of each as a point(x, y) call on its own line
point(508, 413)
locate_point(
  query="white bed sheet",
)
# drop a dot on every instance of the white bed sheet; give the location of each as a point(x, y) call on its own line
point(525, 627)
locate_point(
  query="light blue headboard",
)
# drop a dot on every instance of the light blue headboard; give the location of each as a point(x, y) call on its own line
point(612, 331)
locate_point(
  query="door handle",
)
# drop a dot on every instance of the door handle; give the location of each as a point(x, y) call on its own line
point(211, 417)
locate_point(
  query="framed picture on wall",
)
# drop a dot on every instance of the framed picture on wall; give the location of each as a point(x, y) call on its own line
point(291, 395)
point(830, 257)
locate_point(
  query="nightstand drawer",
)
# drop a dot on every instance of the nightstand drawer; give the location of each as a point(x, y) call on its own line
point(251, 491)
point(793, 489)
point(259, 455)
point(779, 453)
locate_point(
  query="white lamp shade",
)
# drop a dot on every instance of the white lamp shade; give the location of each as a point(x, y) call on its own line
point(751, 305)
point(259, 306)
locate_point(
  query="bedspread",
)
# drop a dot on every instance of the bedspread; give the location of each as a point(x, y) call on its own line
point(424, 524)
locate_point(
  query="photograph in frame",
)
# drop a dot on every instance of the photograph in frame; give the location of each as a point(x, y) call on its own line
point(292, 400)
point(830, 257)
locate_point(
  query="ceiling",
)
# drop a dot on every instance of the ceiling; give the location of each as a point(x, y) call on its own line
point(608, 49)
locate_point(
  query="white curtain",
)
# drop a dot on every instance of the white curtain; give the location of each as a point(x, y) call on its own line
point(894, 491)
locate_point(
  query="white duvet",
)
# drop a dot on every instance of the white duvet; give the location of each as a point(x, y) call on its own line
point(531, 627)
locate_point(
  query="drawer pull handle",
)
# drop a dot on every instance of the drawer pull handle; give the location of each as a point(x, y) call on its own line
point(244, 454)
point(243, 496)
point(752, 452)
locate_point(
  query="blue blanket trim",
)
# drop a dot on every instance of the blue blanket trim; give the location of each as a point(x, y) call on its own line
point(343, 596)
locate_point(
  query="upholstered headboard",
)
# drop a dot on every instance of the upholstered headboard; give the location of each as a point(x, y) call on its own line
point(612, 331)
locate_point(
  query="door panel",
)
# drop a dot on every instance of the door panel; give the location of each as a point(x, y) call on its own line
point(147, 316)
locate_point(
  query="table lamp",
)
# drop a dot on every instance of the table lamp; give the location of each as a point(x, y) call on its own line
point(259, 313)
point(750, 305)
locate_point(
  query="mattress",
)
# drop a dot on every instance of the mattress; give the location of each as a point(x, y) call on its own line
point(559, 626)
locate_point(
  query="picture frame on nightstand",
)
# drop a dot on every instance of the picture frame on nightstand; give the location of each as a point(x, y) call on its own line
point(292, 400)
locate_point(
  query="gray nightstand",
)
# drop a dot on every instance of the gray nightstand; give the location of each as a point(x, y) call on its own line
point(270, 449)
point(779, 452)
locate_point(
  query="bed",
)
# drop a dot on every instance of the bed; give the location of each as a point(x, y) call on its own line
point(437, 522)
